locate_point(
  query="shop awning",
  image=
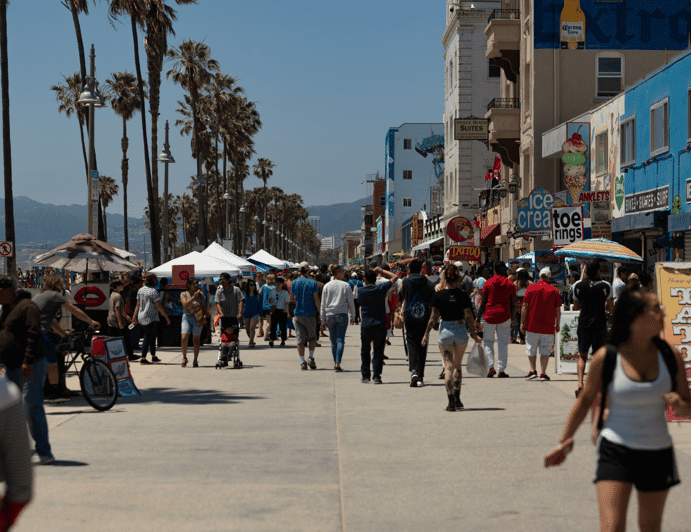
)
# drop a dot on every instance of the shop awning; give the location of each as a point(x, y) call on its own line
point(426, 245)
point(488, 235)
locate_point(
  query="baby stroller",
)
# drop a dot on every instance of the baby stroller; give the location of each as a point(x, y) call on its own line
point(229, 350)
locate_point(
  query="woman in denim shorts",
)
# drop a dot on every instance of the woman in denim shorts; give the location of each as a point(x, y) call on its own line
point(251, 312)
point(453, 306)
point(192, 300)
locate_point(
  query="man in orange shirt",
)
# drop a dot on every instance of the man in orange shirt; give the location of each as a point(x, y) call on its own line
point(540, 316)
point(497, 302)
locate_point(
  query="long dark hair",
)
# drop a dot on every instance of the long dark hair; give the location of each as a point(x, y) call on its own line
point(247, 287)
point(630, 304)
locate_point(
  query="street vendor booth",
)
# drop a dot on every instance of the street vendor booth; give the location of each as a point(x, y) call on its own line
point(264, 261)
point(201, 267)
point(218, 252)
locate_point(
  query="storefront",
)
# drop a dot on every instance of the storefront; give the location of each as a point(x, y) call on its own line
point(645, 234)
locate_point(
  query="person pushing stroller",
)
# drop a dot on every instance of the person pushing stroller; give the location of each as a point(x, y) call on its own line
point(229, 350)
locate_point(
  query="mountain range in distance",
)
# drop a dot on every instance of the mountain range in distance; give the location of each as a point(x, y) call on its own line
point(40, 227)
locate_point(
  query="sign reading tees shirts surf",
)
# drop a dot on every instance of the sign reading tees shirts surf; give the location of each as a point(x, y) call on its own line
point(629, 25)
point(567, 225)
point(649, 200)
point(534, 216)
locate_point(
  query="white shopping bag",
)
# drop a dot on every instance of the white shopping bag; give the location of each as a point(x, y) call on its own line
point(477, 363)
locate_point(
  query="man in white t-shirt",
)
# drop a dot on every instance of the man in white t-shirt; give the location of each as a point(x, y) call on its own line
point(620, 282)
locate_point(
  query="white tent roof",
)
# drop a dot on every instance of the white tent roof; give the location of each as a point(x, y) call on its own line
point(220, 253)
point(268, 259)
point(204, 266)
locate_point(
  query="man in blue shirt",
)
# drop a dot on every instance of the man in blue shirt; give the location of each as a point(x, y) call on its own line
point(356, 282)
point(304, 292)
point(372, 297)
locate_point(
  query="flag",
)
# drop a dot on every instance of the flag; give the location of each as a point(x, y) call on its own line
point(496, 171)
point(488, 177)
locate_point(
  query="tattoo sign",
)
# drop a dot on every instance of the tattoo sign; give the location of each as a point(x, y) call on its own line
point(464, 253)
point(674, 291)
point(6, 249)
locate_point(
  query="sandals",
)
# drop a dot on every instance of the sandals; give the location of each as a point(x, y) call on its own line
point(184, 362)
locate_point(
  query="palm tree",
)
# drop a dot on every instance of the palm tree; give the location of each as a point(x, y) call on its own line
point(75, 7)
point(263, 170)
point(187, 209)
point(67, 95)
point(125, 102)
point(108, 189)
point(11, 264)
point(192, 69)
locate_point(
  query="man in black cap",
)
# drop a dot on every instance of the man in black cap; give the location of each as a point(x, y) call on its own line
point(592, 296)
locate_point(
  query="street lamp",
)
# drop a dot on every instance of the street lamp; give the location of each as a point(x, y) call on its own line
point(166, 158)
point(264, 239)
point(242, 235)
point(514, 184)
point(271, 239)
point(91, 96)
point(227, 197)
point(256, 233)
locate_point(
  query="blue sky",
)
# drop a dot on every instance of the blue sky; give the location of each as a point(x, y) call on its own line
point(329, 79)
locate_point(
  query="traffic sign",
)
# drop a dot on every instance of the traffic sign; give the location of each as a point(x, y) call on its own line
point(6, 249)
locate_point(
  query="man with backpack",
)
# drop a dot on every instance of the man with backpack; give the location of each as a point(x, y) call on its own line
point(592, 296)
point(416, 294)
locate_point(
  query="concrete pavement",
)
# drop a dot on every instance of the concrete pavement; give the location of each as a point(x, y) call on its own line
point(272, 447)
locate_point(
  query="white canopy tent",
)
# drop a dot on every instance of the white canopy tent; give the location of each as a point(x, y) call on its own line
point(204, 266)
point(218, 252)
point(268, 259)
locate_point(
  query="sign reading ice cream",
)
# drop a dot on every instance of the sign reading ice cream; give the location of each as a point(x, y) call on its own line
point(534, 216)
point(575, 159)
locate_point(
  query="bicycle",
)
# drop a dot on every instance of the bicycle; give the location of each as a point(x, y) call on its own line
point(96, 379)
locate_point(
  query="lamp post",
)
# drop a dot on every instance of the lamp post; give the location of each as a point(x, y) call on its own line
point(166, 158)
point(256, 233)
point(227, 197)
point(242, 235)
point(264, 239)
point(91, 97)
point(271, 238)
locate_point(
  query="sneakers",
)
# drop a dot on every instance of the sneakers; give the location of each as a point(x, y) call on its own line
point(530, 376)
point(491, 373)
point(365, 379)
point(271, 343)
point(442, 375)
point(303, 366)
point(184, 362)
point(311, 363)
point(420, 382)
point(502, 375)
point(195, 364)
point(282, 343)
point(37, 459)
point(414, 379)
point(544, 377)
point(376, 379)
point(155, 359)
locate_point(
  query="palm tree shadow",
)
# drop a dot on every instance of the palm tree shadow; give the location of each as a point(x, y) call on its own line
point(68, 463)
point(191, 396)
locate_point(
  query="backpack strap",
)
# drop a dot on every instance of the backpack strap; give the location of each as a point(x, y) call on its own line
point(669, 358)
point(607, 376)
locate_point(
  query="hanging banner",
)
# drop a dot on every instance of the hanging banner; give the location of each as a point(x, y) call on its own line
point(464, 253)
point(567, 225)
point(674, 291)
point(461, 230)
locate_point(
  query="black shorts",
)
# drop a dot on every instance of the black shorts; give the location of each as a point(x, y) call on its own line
point(647, 470)
point(267, 313)
point(593, 337)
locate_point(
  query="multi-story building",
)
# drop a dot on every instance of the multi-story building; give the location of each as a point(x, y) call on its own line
point(549, 77)
point(414, 161)
point(471, 82)
point(327, 243)
point(376, 193)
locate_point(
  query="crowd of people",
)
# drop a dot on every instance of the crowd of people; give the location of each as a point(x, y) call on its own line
point(637, 371)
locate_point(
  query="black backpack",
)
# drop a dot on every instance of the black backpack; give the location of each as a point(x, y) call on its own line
point(611, 362)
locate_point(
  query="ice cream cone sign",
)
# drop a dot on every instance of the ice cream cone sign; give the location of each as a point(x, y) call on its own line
point(575, 168)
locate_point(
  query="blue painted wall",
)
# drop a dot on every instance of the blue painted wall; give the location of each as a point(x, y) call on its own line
point(629, 25)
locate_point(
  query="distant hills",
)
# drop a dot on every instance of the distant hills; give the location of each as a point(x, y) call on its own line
point(40, 227)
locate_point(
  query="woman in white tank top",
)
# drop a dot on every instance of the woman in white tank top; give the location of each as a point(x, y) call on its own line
point(634, 448)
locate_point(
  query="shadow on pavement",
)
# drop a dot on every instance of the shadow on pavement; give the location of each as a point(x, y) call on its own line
point(68, 463)
point(480, 409)
point(186, 396)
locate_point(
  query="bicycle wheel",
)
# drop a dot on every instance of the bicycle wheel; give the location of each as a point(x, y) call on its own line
point(98, 384)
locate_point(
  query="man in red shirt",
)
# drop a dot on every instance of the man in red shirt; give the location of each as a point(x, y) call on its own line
point(540, 316)
point(497, 302)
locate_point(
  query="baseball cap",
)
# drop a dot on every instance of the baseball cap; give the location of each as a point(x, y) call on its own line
point(354, 276)
point(545, 272)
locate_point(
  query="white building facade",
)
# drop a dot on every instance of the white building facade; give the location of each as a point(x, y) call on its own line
point(409, 175)
point(472, 81)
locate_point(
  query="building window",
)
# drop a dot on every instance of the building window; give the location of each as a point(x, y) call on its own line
point(627, 141)
point(407, 174)
point(382, 200)
point(407, 144)
point(407, 202)
point(601, 150)
point(494, 70)
point(610, 73)
point(659, 127)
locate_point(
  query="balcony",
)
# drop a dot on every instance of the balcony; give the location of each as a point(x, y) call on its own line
point(504, 41)
point(505, 128)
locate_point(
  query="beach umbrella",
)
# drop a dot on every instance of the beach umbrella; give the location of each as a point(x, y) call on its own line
point(599, 248)
point(86, 253)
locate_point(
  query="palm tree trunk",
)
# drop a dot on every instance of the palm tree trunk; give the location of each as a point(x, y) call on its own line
point(225, 180)
point(80, 41)
point(154, 103)
point(200, 193)
point(125, 171)
point(10, 262)
point(236, 212)
point(153, 228)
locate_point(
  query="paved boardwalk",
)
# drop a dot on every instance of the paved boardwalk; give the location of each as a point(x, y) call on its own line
point(270, 447)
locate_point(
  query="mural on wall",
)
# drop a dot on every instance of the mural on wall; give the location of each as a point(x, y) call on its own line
point(433, 145)
point(630, 25)
point(576, 164)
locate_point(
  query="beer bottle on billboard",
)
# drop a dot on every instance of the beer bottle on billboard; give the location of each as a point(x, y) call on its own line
point(572, 26)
